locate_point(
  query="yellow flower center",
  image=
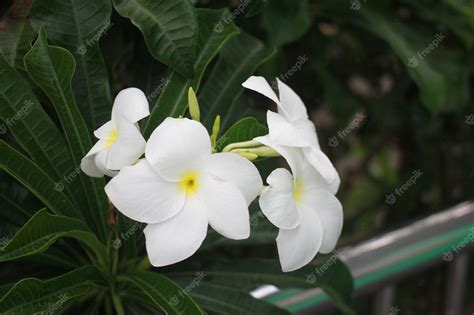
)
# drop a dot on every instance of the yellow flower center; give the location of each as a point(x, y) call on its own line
point(189, 182)
point(111, 137)
point(298, 191)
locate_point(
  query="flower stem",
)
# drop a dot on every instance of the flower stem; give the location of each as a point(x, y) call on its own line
point(239, 145)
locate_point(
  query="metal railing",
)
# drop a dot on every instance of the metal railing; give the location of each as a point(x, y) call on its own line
point(379, 263)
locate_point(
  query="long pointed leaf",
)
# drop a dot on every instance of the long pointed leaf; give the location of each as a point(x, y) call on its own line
point(34, 130)
point(34, 296)
point(35, 180)
point(237, 62)
point(78, 26)
point(173, 101)
point(169, 28)
point(165, 293)
point(52, 69)
point(42, 230)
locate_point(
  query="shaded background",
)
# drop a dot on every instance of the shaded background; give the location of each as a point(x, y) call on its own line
point(388, 85)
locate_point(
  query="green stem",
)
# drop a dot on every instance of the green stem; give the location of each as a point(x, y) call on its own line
point(239, 145)
point(117, 301)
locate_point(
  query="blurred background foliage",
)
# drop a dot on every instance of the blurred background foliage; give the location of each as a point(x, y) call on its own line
point(387, 83)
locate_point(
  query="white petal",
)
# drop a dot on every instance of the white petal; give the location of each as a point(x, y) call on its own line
point(282, 132)
point(325, 168)
point(128, 146)
point(132, 104)
point(177, 146)
point(89, 168)
point(307, 131)
point(226, 208)
point(104, 132)
point(260, 85)
point(178, 238)
point(329, 211)
point(277, 202)
point(293, 156)
point(298, 246)
point(140, 194)
point(100, 161)
point(291, 103)
point(237, 170)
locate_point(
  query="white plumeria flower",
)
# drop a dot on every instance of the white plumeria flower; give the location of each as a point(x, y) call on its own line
point(303, 207)
point(291, 126)
point(120, 141)
point(181, 187)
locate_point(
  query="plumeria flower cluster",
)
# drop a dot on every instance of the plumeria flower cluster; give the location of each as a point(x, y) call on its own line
point(178, 184)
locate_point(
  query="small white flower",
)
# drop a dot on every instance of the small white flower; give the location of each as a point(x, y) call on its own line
point(291, 127)
point(302, 205)
point(120, 141)
point(181, 187)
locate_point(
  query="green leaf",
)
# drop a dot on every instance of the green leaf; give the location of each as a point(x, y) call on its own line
point(33, 296)
point(34, 130)
point(254, 7)
point(15, 39)
point(173, 100)
point(52, 69)
point(243, 130)
point(16, 202)
point(78, 27)
point(286, 21)
point(237, 61)
point(169, 28)
point(166, 294)
point(224, 300)
point(43, 229)
point(35, 180)
point(330, 275)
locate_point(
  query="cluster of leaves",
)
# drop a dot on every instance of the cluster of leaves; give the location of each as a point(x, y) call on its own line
point(61, 63)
